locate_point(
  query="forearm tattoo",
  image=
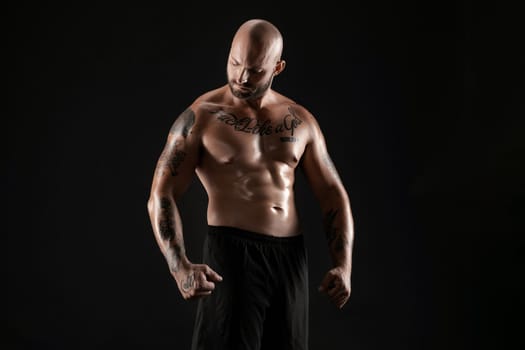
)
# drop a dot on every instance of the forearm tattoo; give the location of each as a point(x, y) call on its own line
point(287, 125)
point(167, 233)
point(335, 237)
point(166, 224)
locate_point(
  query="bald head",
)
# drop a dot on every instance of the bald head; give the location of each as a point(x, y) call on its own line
point(254, 59)
point(261, 37)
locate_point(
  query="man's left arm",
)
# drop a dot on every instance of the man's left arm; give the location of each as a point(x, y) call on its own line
point(334, 201)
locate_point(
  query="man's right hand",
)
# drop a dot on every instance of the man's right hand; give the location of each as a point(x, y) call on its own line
point(196, 280)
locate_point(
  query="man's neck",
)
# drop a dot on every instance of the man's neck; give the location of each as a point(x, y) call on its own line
point(255, 103)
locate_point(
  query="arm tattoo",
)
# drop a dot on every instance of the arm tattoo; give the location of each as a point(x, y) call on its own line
point(175, 256)
point(329, 229)
point(167, 232)
point(184, 123)
point(189, 283)
point(336, 239)
point(175, 161)
point(166, 227)
point(172, 157)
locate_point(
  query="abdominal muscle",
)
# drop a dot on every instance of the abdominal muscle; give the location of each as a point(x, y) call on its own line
point(259, 199)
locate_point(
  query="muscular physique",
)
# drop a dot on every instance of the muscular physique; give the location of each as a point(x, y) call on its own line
point(245, 142)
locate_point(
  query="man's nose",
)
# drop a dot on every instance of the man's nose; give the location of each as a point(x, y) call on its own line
point(243, 76)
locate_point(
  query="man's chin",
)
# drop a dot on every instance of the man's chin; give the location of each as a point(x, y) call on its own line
point(244, 95)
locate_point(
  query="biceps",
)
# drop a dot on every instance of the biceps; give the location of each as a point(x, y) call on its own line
point(175, 168)
point(320, 169)
point(174, 161)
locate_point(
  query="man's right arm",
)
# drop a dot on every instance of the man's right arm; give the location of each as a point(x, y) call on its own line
point(173, 174)
point(334, 201)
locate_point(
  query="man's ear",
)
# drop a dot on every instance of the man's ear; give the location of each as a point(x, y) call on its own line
point(279, 67)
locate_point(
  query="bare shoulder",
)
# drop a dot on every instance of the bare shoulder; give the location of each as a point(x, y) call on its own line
point(200, 108)
point(297, 108)
point(210, 97)
point(303, 114)
point(209, 100)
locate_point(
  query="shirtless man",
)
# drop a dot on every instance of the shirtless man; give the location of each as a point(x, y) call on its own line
point(244, 141)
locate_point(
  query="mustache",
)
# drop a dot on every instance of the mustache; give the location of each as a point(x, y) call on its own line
point(247, 86)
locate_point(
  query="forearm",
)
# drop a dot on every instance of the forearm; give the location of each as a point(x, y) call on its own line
point(167, 227)
point(338, 227)
point(193, 280)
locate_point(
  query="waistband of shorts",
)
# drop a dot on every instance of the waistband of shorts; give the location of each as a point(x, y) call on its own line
point(246, 235)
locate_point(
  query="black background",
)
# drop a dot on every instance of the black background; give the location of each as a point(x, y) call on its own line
point(422, 105)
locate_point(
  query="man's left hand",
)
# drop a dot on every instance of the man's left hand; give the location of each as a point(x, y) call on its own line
point(336, 284)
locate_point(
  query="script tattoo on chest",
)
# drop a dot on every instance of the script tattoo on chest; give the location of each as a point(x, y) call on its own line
point(285, 127)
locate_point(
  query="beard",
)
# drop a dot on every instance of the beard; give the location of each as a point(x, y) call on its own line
point(250, 92)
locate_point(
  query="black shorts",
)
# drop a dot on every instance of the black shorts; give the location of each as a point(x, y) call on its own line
point(262, 301)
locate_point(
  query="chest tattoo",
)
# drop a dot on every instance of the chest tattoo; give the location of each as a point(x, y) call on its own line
point(286, 126)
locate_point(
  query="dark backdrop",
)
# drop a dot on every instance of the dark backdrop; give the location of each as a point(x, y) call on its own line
point(422, 106)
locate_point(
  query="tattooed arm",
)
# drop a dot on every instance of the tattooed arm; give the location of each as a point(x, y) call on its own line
point(337, 216)
point(175, 169)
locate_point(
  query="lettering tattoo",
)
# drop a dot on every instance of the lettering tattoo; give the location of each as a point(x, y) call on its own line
point(336, 239)
point(254, 126)
point(189, 282)
point(167, 232)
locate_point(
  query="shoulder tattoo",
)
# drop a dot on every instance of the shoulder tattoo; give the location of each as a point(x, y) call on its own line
point(183, 123)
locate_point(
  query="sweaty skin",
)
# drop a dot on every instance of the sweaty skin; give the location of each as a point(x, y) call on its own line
point(245, 141)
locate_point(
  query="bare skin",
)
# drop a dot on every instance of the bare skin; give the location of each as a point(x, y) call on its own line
point(245, 142)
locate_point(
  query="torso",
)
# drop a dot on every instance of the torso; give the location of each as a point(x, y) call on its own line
point(248, 160)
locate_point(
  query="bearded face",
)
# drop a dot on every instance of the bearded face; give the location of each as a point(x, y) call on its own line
point(249, 90)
